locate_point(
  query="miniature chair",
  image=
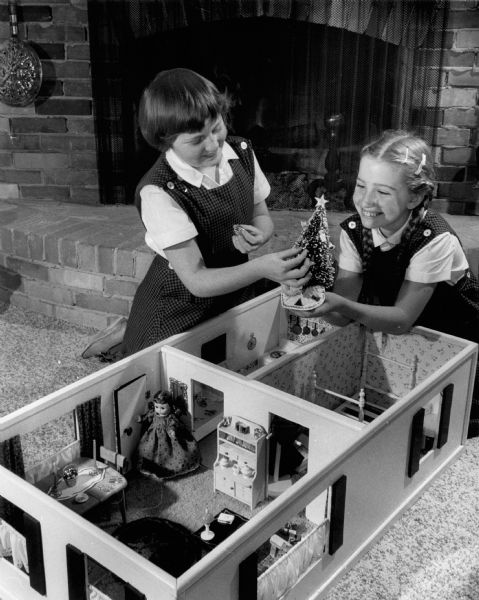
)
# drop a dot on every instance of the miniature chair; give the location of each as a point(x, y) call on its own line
point(119, 463)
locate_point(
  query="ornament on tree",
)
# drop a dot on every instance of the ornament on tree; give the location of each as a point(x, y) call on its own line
point(315, 239)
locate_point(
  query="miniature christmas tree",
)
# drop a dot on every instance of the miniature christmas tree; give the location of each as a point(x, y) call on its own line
point(315, 239)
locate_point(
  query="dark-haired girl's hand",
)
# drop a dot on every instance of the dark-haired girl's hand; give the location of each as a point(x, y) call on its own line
point(290, 266)
point(247, 238)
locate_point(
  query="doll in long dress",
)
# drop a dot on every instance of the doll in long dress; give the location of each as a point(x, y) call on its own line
point(167, 448)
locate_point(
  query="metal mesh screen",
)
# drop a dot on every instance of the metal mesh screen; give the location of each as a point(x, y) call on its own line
point(290, 64)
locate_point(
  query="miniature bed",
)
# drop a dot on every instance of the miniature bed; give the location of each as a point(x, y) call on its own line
point(380, 416)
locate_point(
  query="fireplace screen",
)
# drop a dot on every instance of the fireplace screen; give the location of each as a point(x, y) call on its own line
point(312, 81)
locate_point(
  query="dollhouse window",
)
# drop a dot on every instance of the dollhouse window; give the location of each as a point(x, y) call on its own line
point(215, 350)
point(206, 408)
point(429, 428)
point(436, 420)
point(49, 439)
point(297, 545)
point(431, 423)
point(12, 539)
point(21, 543)
point(89, 579)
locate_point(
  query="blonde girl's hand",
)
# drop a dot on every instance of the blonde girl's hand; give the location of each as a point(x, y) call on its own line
point(247, 238)
point(287, 265)
point(332, 303)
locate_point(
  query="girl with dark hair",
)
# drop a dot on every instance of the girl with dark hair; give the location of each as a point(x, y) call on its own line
point(204, 210)
point(400, 263)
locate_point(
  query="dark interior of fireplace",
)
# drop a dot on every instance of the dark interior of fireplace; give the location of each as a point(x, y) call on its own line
point(306, 94)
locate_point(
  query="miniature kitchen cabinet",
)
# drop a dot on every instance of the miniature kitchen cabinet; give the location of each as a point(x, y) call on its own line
point(240, 467)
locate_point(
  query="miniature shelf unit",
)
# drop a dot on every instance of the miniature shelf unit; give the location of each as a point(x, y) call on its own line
point(240, 467)
point(246, 362)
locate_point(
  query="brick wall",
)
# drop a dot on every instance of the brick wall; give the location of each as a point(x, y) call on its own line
point(47, 149)
point(456, 138)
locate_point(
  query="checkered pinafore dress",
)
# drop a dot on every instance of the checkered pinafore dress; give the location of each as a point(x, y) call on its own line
point(163, 306)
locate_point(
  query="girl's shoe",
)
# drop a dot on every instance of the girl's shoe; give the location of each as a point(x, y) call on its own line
point(103, 342)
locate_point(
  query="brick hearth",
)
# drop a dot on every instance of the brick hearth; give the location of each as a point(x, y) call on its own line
point(82, 264)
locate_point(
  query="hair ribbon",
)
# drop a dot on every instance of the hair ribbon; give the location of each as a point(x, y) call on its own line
point(421, 164)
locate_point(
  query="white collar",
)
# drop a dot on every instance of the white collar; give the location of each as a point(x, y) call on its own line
point(379, 239)
point(189, 173)
point(392, 240)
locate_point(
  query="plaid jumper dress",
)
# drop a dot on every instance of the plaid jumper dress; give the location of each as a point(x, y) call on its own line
point(163, 306)
point(453, 309)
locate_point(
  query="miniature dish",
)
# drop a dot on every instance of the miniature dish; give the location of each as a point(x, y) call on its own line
point(303, 300)
point(80, 498)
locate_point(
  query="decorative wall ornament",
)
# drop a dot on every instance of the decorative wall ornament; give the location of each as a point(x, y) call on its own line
point(20, 67)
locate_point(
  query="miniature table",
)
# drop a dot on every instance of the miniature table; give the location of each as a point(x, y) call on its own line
point(96, 482)
point(221, 530)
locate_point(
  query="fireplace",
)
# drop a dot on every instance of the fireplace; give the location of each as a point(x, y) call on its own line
point(312, 80)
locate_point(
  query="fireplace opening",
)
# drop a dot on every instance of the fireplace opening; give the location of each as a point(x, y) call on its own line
point(307, 94)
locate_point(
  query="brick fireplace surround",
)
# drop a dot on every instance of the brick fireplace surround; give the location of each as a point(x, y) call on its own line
point(48, 159)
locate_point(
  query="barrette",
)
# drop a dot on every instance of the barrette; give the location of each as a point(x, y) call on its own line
point(406, 157)
point(421, 164)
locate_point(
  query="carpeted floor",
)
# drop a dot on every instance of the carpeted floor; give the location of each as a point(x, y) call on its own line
point(431, 552)
point(39, 355)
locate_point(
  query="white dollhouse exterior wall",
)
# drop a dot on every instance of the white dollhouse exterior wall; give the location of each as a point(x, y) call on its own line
point(261, 321)
point(378, 487)
point(263, 317)
point(369, 464)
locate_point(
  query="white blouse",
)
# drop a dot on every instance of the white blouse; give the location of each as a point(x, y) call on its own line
point(442, 259)
point(166, 222)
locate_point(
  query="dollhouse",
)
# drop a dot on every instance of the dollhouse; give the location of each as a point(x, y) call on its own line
point(374, 419)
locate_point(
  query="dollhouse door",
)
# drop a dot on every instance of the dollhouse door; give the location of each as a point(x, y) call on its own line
point(129, 403)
